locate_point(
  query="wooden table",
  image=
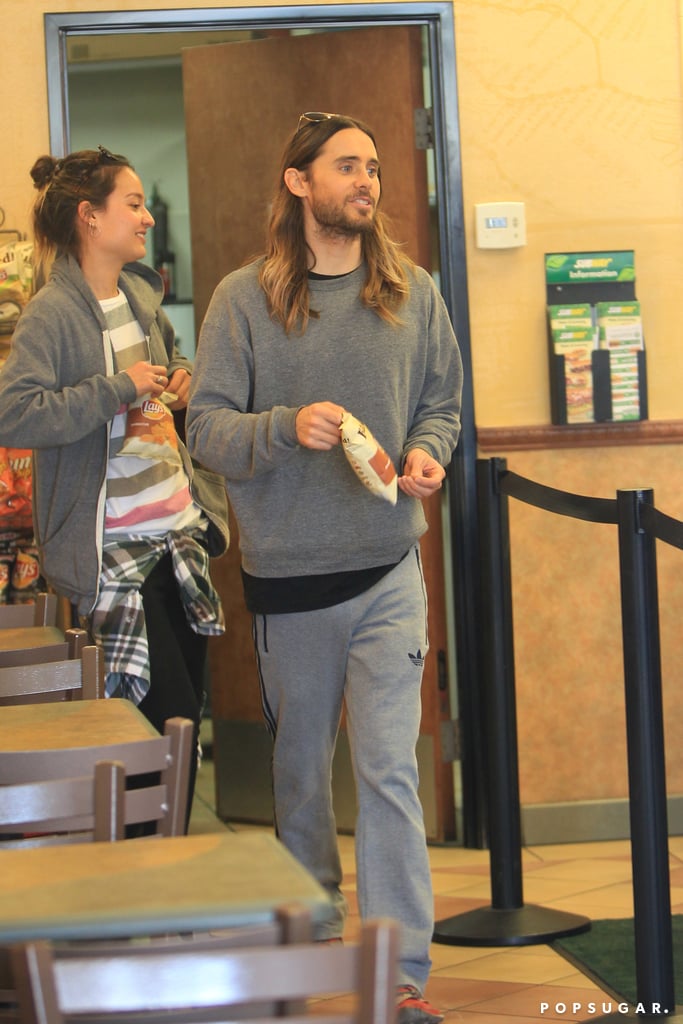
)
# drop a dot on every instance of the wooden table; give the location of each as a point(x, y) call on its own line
point(69, 726)
point(18, 639)
point(151, 886)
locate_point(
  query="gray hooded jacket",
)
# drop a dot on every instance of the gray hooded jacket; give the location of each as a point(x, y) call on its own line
point(58, 396)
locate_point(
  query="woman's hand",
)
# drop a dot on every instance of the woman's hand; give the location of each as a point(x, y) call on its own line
point(148, 378)
point(179, 385)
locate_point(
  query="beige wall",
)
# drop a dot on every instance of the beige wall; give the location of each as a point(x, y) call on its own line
point(568, 646)
point(573, 107)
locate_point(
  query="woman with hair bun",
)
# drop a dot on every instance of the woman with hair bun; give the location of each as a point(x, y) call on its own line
point(125, 524)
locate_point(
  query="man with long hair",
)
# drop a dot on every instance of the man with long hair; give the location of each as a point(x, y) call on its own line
point(334, 318)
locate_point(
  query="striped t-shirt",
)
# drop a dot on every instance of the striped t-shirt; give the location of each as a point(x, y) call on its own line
point(145, 496)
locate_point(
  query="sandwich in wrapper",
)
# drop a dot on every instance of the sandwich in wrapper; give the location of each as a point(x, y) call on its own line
point(370, 462)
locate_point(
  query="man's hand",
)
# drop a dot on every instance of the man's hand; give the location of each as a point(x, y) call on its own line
point(317, 425)
point(422, 474)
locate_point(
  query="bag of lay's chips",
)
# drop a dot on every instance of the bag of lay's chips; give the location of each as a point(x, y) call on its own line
point(369, 460)
point(15, 487)
point(6, 483)
point(150, 431)
point(20, 461)
point(8, 540)
point(25, 581)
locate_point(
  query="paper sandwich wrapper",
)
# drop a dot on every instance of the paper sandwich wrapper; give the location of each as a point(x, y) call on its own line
point(368, 459)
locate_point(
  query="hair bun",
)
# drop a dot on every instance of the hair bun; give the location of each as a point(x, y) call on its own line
point(44, 170)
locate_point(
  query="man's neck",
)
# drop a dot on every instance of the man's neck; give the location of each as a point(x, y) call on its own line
point(334, 256)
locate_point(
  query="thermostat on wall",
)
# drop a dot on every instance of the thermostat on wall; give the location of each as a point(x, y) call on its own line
point(500, 225)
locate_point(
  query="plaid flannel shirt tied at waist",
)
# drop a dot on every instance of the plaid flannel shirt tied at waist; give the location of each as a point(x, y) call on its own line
point(117, 622)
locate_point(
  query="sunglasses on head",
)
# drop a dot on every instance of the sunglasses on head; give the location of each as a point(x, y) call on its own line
point(105, 156)
point(313, 117)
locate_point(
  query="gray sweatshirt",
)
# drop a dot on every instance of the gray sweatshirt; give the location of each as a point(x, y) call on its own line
point(58, 395)
point(301, 511)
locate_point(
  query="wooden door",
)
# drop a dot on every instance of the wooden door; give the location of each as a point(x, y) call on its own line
point(242, 103)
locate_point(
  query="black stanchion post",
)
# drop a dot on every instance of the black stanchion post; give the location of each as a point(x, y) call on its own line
point(646, 761)
point(507, 921)
point(504, 825)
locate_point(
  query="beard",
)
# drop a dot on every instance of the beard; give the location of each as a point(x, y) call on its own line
point(336, 220)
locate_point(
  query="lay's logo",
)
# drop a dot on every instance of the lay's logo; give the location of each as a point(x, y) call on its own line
point(153, 410)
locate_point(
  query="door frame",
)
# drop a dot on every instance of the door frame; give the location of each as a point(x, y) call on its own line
point(438, 17)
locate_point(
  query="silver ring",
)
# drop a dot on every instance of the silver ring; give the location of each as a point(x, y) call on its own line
point(159, 380)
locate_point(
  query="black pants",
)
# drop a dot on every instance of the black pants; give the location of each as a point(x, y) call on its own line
point(177, 657)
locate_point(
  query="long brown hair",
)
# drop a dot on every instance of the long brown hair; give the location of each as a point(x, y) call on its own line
point(284, 273)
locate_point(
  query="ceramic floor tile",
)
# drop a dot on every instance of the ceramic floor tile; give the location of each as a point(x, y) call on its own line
point(472, 868)
point(575, 979)
point(451, 856)
point(607, 901)
point(452, 880)
point(542, 1002)
point(448, 994)
point(612, 848)
point(463, 886)
point(450, 906)
point(591, 871)
point(512, 964)
point(448, 953)
point(474, 887)
point(549, 890)
point(457, 857)
point(450, 956)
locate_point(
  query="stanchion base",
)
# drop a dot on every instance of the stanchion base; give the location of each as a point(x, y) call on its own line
point(488, 926)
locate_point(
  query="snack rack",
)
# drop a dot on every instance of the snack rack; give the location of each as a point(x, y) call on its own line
point(20, 578)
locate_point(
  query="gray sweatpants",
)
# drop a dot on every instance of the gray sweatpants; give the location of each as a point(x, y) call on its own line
point(369, 652)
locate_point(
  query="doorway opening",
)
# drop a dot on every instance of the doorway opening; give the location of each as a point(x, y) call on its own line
point(71, 39)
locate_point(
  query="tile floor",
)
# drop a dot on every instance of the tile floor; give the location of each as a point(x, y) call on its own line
point(512, 984)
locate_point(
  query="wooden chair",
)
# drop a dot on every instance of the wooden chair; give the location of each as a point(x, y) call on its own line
point(31, 645)
point(291, 923)
point(79, 676)
point(64, 810)
point(42, 613)
point(72, 810)
point(215, 983)
point(46, 799)
point(157, 774)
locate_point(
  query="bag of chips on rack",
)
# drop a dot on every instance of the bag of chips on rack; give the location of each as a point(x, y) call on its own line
point(16, 486)
point(7, 550)
point(16, 282)
point(25, 581)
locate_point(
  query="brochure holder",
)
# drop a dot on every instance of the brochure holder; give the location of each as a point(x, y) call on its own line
point(591, 278)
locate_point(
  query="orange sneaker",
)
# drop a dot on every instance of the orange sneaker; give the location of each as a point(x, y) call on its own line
point(413, 1008)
